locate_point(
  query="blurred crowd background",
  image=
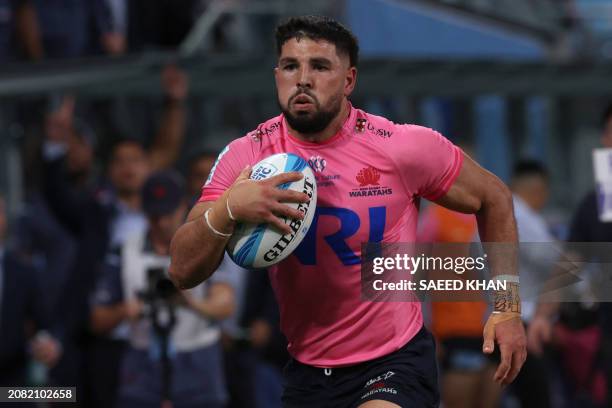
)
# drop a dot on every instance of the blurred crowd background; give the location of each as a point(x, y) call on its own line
point(111, 109)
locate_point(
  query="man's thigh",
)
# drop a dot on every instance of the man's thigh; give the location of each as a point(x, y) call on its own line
point(379, 404)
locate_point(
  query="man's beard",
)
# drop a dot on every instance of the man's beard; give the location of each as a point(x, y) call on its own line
point(312, 122)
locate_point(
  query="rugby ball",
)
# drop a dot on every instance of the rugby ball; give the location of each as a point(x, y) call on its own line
point(255, 246)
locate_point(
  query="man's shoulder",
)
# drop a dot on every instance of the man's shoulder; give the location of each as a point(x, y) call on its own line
point(265, 132)
point(268, 130)
point(384, 128)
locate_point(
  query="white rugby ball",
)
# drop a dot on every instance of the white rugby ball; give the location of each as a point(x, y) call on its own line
point(261, 245)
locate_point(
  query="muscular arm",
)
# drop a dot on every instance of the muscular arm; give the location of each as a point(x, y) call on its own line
point(196, 251)
point(480, 192)
point(477, 191)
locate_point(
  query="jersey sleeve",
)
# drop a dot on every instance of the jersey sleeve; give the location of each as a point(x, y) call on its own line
point(428, 162)
point(230, 162)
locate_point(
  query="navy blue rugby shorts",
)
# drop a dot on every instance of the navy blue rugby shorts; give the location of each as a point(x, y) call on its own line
point(407, 377)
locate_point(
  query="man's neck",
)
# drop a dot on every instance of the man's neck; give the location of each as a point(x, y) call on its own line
point(525, 199)
point(131, 201)
point(334, 127)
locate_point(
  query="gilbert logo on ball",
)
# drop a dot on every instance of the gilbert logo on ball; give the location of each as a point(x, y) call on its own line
point(261, 245)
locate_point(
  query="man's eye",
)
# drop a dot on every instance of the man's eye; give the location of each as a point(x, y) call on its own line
point(321, 67)
point(290, 67)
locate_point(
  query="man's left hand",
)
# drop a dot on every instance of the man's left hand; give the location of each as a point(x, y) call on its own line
point(507, 330)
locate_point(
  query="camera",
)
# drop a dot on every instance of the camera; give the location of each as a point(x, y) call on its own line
point(158, 287)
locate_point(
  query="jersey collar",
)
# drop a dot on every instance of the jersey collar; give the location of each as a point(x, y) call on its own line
point(346, 130)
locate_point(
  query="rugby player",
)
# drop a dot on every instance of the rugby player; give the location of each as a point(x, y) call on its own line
point(346, 352)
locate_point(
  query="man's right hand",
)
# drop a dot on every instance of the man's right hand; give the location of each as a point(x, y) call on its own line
point(261, 201)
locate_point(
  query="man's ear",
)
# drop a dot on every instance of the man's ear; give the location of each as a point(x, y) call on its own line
point(350, 80)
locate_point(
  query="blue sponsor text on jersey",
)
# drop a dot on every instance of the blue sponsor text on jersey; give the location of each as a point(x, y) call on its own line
point(350, 223)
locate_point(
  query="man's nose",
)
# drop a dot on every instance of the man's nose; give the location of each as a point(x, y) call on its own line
point(305, 78)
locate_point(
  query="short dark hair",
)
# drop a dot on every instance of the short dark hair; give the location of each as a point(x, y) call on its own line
point(319, 28)
point(529, 167)
point(125, 141)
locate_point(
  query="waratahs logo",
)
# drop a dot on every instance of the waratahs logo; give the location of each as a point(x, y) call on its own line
point(369, 184)
point(368, 177)
point(317, 163)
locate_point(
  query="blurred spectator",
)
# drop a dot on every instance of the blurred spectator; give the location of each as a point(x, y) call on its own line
point(50, 247)
point(466, 372)
point(130, 163)
point(63, 27)
point(114, 27)
point(75, 201)
point(18, 30)
point(129, 166)
point(127, 171)
point(23, 318)
point(68, 28)
point(51, 29)
point(98, 218)
point(530, 188)
point(530, 193)
point(166, 326)
point(199, 168)
point(254, 345)
point(583, 331)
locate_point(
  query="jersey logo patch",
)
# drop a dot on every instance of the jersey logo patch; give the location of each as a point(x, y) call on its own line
point(362, 124)
point(368, 176)
point(317, 163)
point(369, 184)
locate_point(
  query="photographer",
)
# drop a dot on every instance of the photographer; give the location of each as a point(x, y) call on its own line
point(173, 352)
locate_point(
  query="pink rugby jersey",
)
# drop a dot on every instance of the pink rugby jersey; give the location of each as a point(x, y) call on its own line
point(370, 176)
